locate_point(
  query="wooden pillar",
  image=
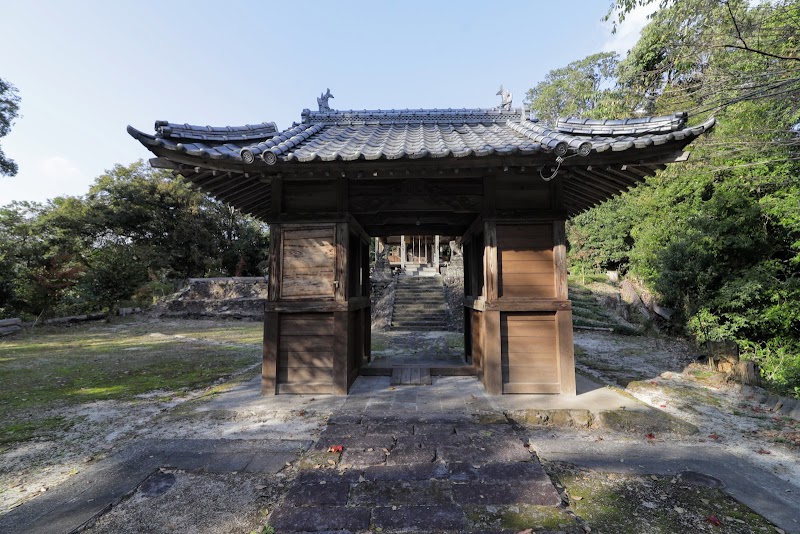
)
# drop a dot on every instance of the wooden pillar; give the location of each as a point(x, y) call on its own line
point(269, 365)
point(565, 344)
point(492, 363)
point(341, 329)
point(436, 253)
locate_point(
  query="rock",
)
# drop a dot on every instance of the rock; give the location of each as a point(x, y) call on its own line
point(788, 406)
point(8, 330)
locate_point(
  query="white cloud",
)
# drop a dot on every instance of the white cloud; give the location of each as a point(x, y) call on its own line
point(628, 32)
point(59, 168)
point(43, 179)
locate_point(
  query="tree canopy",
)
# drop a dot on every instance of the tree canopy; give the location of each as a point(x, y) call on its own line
point(9, 110)
point(717, 237)
point(135, 233)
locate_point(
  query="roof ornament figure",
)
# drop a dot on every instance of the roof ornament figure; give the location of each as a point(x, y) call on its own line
point(322, 101)
point(505, 99)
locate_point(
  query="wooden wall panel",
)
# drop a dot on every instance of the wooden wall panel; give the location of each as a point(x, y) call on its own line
point(308, 254)
point(525, 257)
point(305, 353)
point(522, 193)
point(309, 196)
point(529, 348)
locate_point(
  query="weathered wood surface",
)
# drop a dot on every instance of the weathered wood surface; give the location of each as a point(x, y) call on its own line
point(269, 364)
point(526, 263)
point(560, 260)
point(305, 348)
point(16, 321)
point(341, 368)
point(492, 359)
point(529, 349)
point(308, 261)
point(566, 352)
point(411, 376)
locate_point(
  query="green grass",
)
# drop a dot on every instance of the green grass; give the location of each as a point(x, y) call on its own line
point(48, 368)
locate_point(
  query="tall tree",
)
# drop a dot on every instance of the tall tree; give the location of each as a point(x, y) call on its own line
point(9, 110)
point(584, 88)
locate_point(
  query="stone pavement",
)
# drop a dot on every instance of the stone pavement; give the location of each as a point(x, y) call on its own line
point(431, 473)
point(91, 493)
point(440, 458)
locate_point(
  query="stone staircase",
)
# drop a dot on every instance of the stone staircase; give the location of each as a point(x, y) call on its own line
point(419, 303)
point(420, 270)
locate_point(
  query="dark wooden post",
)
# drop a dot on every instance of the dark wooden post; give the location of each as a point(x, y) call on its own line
point(269, 365)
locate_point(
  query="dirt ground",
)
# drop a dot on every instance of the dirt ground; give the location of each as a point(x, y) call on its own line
point(662, 372)
point(658, 371)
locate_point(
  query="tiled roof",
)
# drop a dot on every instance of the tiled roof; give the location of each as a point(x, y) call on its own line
point(413, 134)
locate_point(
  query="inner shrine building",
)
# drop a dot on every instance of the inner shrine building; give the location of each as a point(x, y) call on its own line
point(502, 182)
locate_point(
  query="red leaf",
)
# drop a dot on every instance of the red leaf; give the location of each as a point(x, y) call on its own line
point(650, 436)
point(714, 520)
point(336, 448)
point(763, 451)
point(663, 406)
point(713, 436)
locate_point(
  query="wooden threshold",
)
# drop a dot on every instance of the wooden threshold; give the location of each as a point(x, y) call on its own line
point(435, 370)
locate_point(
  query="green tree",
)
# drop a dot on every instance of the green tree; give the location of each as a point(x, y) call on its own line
point(718, 236)
point(9, 110)
point(584, 88)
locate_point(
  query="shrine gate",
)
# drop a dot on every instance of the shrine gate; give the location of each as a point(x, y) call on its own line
point(502, 181)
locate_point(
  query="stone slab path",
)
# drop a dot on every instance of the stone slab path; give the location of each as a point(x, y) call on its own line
point(434, 473)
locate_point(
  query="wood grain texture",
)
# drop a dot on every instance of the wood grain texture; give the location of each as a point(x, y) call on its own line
point(491, 273)
point(525, 255)
point(275, 260)
point(269, 364)
point(492, 364)
point(566, 352)
point(308, 261)
point(342, 252)
point(560, 260)
point(340, 353)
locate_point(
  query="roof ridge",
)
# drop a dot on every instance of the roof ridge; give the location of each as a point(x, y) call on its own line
point(409, 115)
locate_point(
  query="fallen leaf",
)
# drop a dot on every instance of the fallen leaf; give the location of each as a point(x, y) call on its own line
point(713, 436)
point(679, 510)
point(577, 498)
point(526, 531)
point(763, 451)
point(336, 448)
point(301, 413)
point(650, 436)
point(332, 462)
point(714, 520)
point(663, 406)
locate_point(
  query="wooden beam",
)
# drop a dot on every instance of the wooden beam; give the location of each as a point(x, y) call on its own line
point(489, 196)
point(578, 193)
point(588, 180)
point(276, 208)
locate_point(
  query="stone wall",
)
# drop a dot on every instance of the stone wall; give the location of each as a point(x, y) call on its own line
point(234, 297)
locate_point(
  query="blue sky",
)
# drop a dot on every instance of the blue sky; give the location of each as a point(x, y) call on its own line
point(86, 69)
